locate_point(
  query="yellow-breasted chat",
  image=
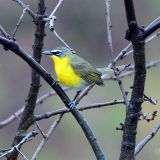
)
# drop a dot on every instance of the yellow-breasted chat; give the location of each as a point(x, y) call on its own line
point(72, 70)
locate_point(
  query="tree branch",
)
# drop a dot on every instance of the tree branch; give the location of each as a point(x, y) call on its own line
point(16, 147)
point(109, 25)
point(152, 28)
point(140, 146)
point(16, 114)
point(3, 32)
point(30, 12)
point(26, 120)
point(13, 46)
point(121, 86)
point(44, 140)
point(19, 22)
point(130, 12)
point(82, 108)
point(135, 34)
point(40, 100)
point(56, 8)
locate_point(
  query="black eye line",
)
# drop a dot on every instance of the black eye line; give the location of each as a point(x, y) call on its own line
point(56, 52)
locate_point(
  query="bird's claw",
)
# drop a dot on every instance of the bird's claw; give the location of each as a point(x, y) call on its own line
point(54, 83)
point(71, 105)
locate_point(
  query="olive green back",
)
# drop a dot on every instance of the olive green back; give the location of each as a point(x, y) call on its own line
point(85, 70)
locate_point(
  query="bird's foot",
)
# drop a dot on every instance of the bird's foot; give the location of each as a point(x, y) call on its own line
point(77, 94)
point(54, 83)
point(71, 105)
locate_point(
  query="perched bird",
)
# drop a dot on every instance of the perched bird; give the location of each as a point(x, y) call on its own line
point(72, 70)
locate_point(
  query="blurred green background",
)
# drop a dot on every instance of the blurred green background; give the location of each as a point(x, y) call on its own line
point(82, 24)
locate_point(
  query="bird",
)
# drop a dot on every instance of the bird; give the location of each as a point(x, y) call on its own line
point(72, 70)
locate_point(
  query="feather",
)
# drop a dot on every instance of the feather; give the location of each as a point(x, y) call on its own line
point(85, 70)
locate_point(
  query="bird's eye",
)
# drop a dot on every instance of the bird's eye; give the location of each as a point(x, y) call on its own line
point(56, 52)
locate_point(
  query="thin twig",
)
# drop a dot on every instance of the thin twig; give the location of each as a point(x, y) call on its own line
point(16, 117)
point(56, 8)
point(29, 11)
point(11, 118)
point(145, 117)
point(14, 46)
point(120, 55)
point(24, 156)
point(2, 30)
point(140, 146)
point(153, 22)
point(147, 41)
point(84, 93)
point(151, 64)
point(121, 87)
point(156, 35)
point(150, 99)
point(39, 101)
point(44, 140)
point(35, 78)
point(125, 51)
point(52, 19)
point(82, 108)
point(19, 21)
point(24, 140)
point(154, 63)
point(109, 25)
point(62, 40)
point(40, 130)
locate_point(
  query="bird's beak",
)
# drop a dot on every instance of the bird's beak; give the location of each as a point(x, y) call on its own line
point(47, 53)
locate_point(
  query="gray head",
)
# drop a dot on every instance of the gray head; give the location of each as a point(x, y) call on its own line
point(59, 52)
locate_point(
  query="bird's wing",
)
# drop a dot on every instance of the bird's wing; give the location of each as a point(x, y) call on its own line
point(86, 71)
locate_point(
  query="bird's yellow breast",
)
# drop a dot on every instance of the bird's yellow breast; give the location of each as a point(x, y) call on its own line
point(65, 73)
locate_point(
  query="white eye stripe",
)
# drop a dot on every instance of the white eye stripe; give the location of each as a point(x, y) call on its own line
point(56, 52)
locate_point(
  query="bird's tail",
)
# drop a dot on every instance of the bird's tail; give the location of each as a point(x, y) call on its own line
point(108, 73)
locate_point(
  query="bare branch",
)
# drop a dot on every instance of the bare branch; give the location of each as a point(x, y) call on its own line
point(51, 20)
point(16, 147)
point(145, 117)
point(56, 8)
point(147, 139)
point(30, 12)
point(44, 140)
point(153, 22)
point(39, 101)
point(120, 55)
point(147, 41)
point(16, 117)
point(62, 40)
point(150, 99)
point(154, 63)
point(52, 16)
point(3, 32)
point(26, 119)
point(124, 53)
point(135, 35)
point(152, 28)
point(64, 110)
point(116, 72)
point(19, 21)
point(11, 118)
point(13, 46)
point(84, 93)
point(40, 130)
point(109, 25)
point(24, 156)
